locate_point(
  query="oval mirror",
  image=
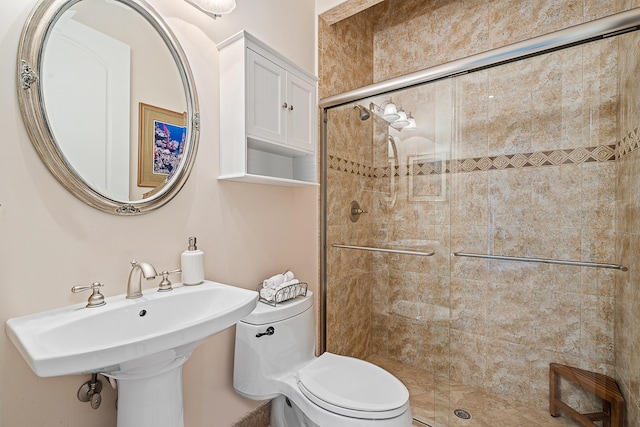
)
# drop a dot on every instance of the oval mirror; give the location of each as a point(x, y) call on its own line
point(108, 100)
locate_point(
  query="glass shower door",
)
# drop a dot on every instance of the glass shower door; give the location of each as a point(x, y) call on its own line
point(390, 305)
point(513, 161)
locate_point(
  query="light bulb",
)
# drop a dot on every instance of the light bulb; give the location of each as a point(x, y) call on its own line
point(390, 112)
point(402, 121)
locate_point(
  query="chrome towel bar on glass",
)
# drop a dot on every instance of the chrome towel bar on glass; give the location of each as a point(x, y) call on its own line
point(392, 251)
point(543, 260)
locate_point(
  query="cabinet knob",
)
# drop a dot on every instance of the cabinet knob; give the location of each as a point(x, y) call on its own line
point(285, 105)
point(291, 107)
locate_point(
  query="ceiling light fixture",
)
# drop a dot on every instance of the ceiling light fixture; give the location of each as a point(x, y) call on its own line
point(214, 8)
point(401, 122)
point(394, 115)
point(390, 113)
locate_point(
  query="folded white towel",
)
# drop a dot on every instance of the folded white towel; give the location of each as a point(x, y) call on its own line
point(288, 275)
point(288, 283)
point(269, 294)
point(274, 281)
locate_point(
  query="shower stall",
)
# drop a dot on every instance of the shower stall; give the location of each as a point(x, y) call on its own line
point(494, 230)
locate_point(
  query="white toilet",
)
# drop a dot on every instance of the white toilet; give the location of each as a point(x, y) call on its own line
point(274, 359)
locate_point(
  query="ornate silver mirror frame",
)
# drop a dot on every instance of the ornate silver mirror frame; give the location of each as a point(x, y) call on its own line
point(30, 97)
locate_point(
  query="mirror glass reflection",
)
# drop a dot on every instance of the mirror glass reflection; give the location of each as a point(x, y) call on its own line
point(114, 99)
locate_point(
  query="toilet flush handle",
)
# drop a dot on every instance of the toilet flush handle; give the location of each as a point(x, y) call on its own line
point(270, 331)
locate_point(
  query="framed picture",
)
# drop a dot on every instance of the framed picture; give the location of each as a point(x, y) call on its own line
point(162, 135)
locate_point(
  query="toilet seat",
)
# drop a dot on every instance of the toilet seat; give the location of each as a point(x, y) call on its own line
point(352, 387)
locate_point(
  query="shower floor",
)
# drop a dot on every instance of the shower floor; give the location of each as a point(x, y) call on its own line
point(433, 406)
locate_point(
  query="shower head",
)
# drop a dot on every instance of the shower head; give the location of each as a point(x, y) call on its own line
point(364, 113)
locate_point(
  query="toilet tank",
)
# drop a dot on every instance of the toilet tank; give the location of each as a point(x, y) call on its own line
point(261, 362)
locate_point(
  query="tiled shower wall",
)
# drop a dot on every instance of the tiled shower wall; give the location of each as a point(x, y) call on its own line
point(559, 203)
point(396, 37)
point(349, 273)
point(627, 319)
point(523, 190)
point(347, 64)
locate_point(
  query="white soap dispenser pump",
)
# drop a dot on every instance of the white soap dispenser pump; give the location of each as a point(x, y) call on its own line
point(192, 264)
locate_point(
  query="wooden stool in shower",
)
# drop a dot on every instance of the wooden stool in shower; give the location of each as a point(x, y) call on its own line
point(601, 385)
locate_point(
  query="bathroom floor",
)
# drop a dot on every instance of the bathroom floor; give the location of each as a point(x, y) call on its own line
point(436, 410)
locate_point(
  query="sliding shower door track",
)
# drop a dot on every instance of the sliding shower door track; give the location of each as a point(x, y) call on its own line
point(609, 26)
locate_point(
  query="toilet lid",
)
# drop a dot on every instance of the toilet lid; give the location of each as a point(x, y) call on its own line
point(344, 385)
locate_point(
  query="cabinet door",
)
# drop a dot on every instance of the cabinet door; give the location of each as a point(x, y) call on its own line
point(301, 97)
point(265, 98)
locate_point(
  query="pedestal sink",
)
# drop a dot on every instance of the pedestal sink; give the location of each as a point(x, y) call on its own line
point(142, 343)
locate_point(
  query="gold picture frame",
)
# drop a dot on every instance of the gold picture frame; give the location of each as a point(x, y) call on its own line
point(161, 139)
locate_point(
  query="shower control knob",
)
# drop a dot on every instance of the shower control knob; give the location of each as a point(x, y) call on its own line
point(270, 331)
point(355, 211)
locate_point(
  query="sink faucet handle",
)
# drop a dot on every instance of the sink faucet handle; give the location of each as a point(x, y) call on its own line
point(96, 299)
point(165, 283)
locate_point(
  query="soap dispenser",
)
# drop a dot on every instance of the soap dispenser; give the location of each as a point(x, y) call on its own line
point(192, 264)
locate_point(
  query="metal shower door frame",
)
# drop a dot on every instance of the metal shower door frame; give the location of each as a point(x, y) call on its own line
point(598, 29)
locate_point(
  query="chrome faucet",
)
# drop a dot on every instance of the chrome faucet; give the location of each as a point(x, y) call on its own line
point(134, 287)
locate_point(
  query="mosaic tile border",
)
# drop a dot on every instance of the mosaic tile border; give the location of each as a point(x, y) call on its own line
point(344, 165)
point(628, 144)
point(601, 153)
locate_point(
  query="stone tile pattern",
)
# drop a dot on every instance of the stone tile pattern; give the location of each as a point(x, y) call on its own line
point(345, 60)
point(627, 316)
point(533, 156)
point(411, 35)
point(349, 272)
point(347, 9)
point(433, 402)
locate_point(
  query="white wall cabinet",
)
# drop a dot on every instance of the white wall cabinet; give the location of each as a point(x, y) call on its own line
point(268, 115)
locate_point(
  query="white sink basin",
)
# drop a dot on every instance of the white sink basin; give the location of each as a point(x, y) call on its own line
point(130, 339)
point(76, 339)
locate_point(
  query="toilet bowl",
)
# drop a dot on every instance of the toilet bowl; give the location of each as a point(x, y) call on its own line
point(274, 359)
